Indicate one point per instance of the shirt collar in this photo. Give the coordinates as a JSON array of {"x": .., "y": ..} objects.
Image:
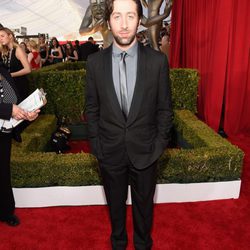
[{"x": 131, "y": 51}]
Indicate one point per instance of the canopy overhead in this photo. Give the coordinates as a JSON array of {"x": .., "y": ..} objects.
[{"x": 59, "y": 18}]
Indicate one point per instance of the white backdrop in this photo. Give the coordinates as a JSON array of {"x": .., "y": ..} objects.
[{"x": 59, "y": 18}]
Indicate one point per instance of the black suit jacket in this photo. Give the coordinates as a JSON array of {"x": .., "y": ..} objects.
[{"x": 146, "y": 132}]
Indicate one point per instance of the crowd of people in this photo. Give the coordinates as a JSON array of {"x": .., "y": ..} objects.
[
  {"x": 52, "y": 51},
  {"x": 32, "y": 54}
]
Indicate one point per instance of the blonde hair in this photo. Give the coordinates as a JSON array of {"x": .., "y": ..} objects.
[
  {"x": 4, "y": 49},
  {"x": 33, "y": 44}
]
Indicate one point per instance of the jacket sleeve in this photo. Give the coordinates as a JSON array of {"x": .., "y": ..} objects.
[
  {"x": 5, "y": 111},
  {"x": 92, "y": 107},
  {"x": 164, "y": 106}
]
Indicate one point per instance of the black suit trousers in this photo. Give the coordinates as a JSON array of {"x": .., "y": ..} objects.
[
  {"x": 142, "y": 182},
  {"x": 7, "y": 203}
]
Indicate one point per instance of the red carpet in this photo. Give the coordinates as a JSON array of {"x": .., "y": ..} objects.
[
  {"x": 211, "y": 225},
  {"x": 79, "y": 146}
]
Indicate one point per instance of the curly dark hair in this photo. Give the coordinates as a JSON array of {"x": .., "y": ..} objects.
[{"x": 109, "y": 7}]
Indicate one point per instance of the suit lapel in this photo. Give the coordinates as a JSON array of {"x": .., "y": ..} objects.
[
  {"x": 139, "y": 85},
  {"x": 110, "y": 85}
]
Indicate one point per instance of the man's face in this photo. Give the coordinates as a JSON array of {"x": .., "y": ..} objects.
[{"x": 124, "y": 22}]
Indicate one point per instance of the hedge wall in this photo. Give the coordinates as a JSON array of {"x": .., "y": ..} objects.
[
  {"x": 211, "y": 158},
  {"x": 65, "y": 88},
  {"x": 64, "y": 66},
  {"x": 184, "y": 88},
  {"x": 203, "y": 156},
  {"x": 32, "y": 166},
  {"x": 64, "y": 84}
]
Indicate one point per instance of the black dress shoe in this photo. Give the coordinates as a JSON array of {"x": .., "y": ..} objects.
[{"x": 11, "y": 220}]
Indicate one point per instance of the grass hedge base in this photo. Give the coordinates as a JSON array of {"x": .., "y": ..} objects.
[{"x": 210, "y": 159}]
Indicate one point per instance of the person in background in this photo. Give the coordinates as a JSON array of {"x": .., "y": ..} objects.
[
  {"x": 154, "y": 19},
  {"x": 77, "y": 48},
  {"x": 130, "y": 117},
  {"x": 15, "y": 60},
  {"x": 34, "y": 57},
  {"x": 44, "y": 50},
  {"x": 164, "y": 42},
  {"x": 71, "y": 53},
  {"x": 24, "y": 47},
  {"x": 63, "y": 47},
  {"x": 55, "y": 52},
  {"x": 8, "y": 110},
  {"x": 142, "y": 38},
  {"x": 88, "y": 48}
]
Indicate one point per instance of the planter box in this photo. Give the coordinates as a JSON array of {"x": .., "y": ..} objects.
[{"x": 209, "y": 159}]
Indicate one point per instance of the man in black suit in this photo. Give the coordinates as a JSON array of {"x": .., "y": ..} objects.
[
  {"x": 129, "y": 113},
  {"x": 88, "y": 48}
]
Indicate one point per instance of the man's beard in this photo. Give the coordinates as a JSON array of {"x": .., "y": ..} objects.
[{"x": 124, "y": 41}]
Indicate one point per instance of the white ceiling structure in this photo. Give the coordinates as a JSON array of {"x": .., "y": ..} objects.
[{"x": 59, "y": 18}]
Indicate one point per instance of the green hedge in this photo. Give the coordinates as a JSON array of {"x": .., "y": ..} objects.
[
  {"x": 184, "y": 88},
  {"x": 64, "y": 84},
  {"x": 33, "y": 167},
  {"x": 65, "y": 91},
  {"x": 211, "y": 158},
  {"x": 64, "y": 66},
  {"x": 204, "y": 157}
]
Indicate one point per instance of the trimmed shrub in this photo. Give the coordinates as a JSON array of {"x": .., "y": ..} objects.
[
  {"x": 211, "y": 158},
  {"x": 64, "y": 84},
  {"x": 64, "y": 66},
  {"x": 203, "y": 157},
  {"x": 184, "y": 88},
  {"x": 65, "y": 92}
]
